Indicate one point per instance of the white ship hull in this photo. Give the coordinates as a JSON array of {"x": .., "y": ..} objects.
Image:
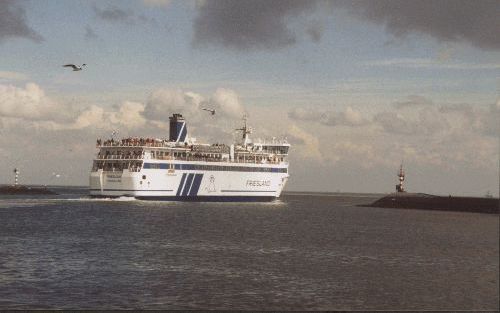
[{"x": 196, "y": 181}]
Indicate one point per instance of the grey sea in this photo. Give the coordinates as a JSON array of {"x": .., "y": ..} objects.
[{"x": 302, "y": 252}]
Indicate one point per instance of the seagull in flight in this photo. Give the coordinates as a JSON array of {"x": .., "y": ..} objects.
[
  {"x": 212, "y": 111},
  {"x": 75, "y": 67}
]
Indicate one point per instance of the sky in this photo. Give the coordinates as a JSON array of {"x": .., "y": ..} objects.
[{"x": 357, "y": 87}]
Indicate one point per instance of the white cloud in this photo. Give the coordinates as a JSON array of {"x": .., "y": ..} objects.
[
  {"x": 227, "y": 102},
  {"x": 350, "y": 117},
  {"x": 29, "y": 103},
  {"x": 129, "y": 115},
  {"x": 90, "y": 117},
  {"x": 163, "y": 102},
  {"x": 308, "y": 145}
]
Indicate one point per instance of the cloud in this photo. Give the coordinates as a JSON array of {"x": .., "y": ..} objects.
[
  {"x": 413, "y": 101},
  {"x": 227, "y": 103},
  {"x": 32, "y": 104},
  {"x": 427, "y": 121},
  {"x": 304, "y": 114},
  {"x": 13, "y": 22},
  {"x": 164, "y": 101},
  {"x": 129, "y": 115},
  {"x": 114, "y": 14},
  {"x": 126, "y": 116},
  {"x": 482, "y": 121},
  {"x": 315, "y": 31},
  {"x": 248, "y": 24},
  {"x": 474, "y": 22},
  {"x": 29, "y": 103},
  {"x": 90, "y": 34},
  {"x": 349, "y": 117},
  {"x": 261, "y": 24},
  {"x": 310, "y": 144},
  {"x": 89, "y": 117},
  {"x": 395, "y": 123}
]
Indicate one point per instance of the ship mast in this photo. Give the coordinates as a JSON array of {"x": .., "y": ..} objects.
[
  {"x": 401, "y": 176},
  {"x": 245, "y": 131}
]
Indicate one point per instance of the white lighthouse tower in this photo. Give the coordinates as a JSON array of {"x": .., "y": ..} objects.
[
  {"x": 16, "y": 176},
  {"x": 401, "y": 176}
]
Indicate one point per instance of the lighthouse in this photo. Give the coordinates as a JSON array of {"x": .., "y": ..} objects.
[
  {"x": 16, "y": 176},
  {"x": 401, "y": 176}
]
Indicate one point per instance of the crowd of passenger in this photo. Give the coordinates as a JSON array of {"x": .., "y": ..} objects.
[
  {"x": 131, "y": 154},
  {"x": 131, "y": 141}
]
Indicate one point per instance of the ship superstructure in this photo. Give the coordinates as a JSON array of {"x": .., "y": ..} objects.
[{"x": 179, "y": 168}]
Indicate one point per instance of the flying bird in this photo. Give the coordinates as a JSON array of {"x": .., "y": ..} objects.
[
  {"x": 75, "y": 67},
  {"x": 212, "y": 111}
]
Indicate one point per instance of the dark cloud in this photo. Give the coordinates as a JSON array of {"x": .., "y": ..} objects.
[
  {"x": 115, "y": 14},
  {"x": 13, "y": 22},
  {"x": 264, "y": 24},
  {"x": 413, "y": 101},
  {"x": 474, "y": 22},
  {"x": 315, "y": 31},
  {"x": 248, "y": 24},
  {"x": 90, "y": 33}
]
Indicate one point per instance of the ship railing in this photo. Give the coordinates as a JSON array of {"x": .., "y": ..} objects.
[
  {"x": 120, "y": 157},
  {"x": 115, "y": 170},
  {"x": 216, "y": 160},
  {"x": 131, "y": 144}
]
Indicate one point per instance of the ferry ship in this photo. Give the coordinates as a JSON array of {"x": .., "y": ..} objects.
[{"x": 181, "y": 169}]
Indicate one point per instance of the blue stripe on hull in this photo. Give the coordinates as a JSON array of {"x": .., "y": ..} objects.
[
  {"x": 180, "y": 185},
  {"x": 196, "y": 184},
  {"x": 210, "y": 198},
  {"x": 187, "y": 185}
]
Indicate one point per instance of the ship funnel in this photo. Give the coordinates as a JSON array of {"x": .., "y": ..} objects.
[{"x": 178, "y": 128}]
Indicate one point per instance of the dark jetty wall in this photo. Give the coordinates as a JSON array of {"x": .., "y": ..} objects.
[
  {"x": 25, "y": 190},
  {"x": 431, "y": 202}
]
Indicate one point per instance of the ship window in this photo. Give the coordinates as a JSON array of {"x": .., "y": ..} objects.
[{"x": 143, "y": 177}]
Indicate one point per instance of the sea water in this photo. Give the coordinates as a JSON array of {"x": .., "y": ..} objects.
[{"x": 302, "y": 252}]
